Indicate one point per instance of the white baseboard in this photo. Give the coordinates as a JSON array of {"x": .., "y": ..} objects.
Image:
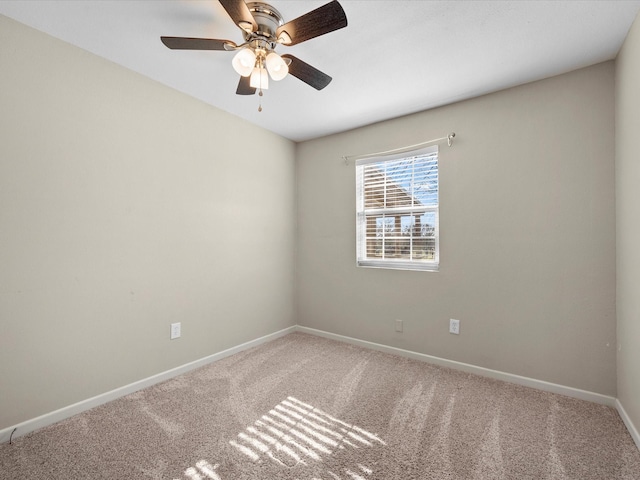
[
  {"x": 628, "y": 423},
  {"x": 23, "y": 428},
  {"x": 465, "y": 367}
]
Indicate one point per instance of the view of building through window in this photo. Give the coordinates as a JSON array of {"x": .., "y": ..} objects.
[{"x": 397, "y": 216}]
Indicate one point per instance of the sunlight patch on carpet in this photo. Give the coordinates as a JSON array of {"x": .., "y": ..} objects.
[
  {"x": 294, "y": 433},
  {"x": 202, "y": 471}
]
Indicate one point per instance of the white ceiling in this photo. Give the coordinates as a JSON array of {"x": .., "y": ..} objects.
[{"x": 394, "y": 58}]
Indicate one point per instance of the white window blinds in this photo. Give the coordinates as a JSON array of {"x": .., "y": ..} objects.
[{"x": 397, "y": 210}]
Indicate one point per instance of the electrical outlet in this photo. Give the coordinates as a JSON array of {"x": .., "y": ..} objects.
[
  {"x": 175, "y": 330},
  {"x": 454, "y": 326},
  {"x": 398, "y": 325}
]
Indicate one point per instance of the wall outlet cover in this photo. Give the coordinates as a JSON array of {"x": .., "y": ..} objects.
[
  {"x": 175, "y": 330},
  {"x": 454, "y": 326}
]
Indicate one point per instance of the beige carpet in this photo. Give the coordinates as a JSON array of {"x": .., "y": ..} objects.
[{"x": 308, "y": 408}]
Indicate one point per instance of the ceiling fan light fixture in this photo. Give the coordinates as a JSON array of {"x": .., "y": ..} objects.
[
  {"x": 277, "y": 67},
  {"x": 259, "y": 79},
  {"x": 244, "y": 61}
]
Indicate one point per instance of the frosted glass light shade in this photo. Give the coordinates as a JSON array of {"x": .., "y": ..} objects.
[
  {"x": 244, "y": 61},
  {"x": 276, "y": 66},
  {"x": 259, "y": 79}
]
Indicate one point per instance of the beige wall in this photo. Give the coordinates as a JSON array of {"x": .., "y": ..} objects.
[
  {"x": 122, "y": 210},
  {"x": 527, "y": 224},
  {"x": 628, "y": 222},
  {"x": 125, "y": 206}
]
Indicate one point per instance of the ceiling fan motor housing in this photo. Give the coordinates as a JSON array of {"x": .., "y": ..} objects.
[{"x": 268, "y": 20}]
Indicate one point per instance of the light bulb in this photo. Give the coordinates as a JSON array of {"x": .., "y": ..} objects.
[
  {"x": 244, "y": 61},
  {"x": 259, "y": 79},
  {"x": 276, "y": 66}
]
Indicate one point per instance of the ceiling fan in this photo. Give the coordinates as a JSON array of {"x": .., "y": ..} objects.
[{"x": 263, "y": 29}]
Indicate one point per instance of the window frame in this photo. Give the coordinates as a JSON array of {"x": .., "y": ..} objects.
[{"x": 362, "y": 258}]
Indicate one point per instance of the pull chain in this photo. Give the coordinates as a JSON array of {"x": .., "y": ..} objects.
[{"x": 261, "y": 71}]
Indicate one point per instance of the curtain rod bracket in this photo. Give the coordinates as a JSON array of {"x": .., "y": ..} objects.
[{"x": 450, "y": 138}]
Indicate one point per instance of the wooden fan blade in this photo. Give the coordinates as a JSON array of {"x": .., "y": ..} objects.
[
  {"x": 185, "y": 43},
  {"x": 317, "y": 22},
  {"x": 244, "y": 88},
  {"x": 240, "y": 14},
  {"x": 308, "y": 74}
]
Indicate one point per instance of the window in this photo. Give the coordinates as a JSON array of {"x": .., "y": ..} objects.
[{"x": 397, "y": 210}]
